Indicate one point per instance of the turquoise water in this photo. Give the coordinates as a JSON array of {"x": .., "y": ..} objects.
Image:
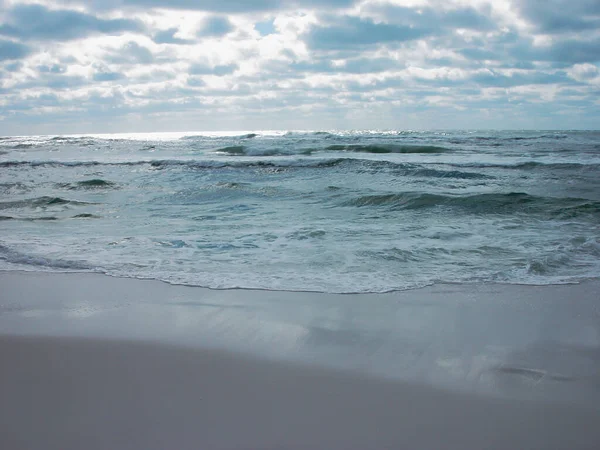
[{"x": 358, "y": 211}]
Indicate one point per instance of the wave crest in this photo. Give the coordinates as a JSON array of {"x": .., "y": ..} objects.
[
  {"x": 40, "y": 202},
  {"x": 514, "y": 202}
]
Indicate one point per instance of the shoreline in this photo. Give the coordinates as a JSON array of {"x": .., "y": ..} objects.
[
  {"x": 301, "y": 291},
  {"x": 582, "y": 281}
]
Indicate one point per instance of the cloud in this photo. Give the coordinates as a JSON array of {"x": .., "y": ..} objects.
[
  {"x": 215, "y": 26},
  {"x": 514, "y": 49},
  {"x": 584, "y": 72},
  {"x": 433, "y": 18},
  {"x": 491, "y": 78},
  {"x": 108, "y": 76},
  {"x": 348, "y": 32},
  {"x": 222, "y": 6},
  {"x": 558, "y": 16},
  {"x": 132, "y": 53},
  {"x": 562, "y": 52},
  {"x": 196, "y": 82},
  {"x": 14, "y": 66},
  {"x": 168, "y": 37},
  {"x": 205, "y": 69},
  {"x": 54, "y": 68},
  {"x": 479, "y": 53},
  {"x": 64, "y": 81},
  {"x": 36, "y": 22},
  {"x": 300, "y": 63},
  {"x": 13, "y": 50},
  {"x": 575, "y": 51},
  {"x": 361, "y": 65},
  {"x": 48, "y": 80}
]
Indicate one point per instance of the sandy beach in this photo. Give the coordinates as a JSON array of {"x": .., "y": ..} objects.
[
  {"x": 95, "y": 394},
  {"x": 94, "y": 362}
]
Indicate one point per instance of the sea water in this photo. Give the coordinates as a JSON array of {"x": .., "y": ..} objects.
[{"x": 335, "y": 211}]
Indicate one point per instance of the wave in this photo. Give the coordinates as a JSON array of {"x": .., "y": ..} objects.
[
  {"x": 457, "y": 174},
  {"x": 201, "y": 137},
  {"x": 510, "y": 203},
  {"x": 11, "y": 188},
  {"x": 86, "y": 216},
  {"x": 519, "y": 138},
  {"x": 73, "y": 140},
  {"x": 9, "y": 164},
  {"x": 232, "y": 150},
  {"x": 387, "y": 148},
  {"x": 40, "y": 202},
  {"x": 534, "y": 138},
  {"x": 530, "y": 165},
  {"x": 406, "y": 169},
  {"x": 241, "y": 150},
  {"x": 12, "y": 256},
  {"x": 577, "y": 251},
  {"x": 193, "y": 164},
  {"x": 36, "y": 219},
  {"x": 95, "y": 183},
  {"x": 497, "y": 141},
  {"x": 30, "y": 219}
]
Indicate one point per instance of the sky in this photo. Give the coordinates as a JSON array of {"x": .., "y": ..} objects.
[{"x": 107, "y": 66}]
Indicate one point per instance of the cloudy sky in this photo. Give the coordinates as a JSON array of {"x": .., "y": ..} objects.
[{"x": 151, "y": 65}]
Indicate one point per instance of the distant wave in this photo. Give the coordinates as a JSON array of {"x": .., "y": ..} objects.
[
  {"x": 435, "y": 173},
  {"x": 388, "y": 148},
  {"x": 40, "y": 202},
  {"x": 45, "y": 218},
  {"x": 232, "y": 150},
  {"x": 417, "y": 169},
  {"x": 203, "y": 137},
  {"x": 514, "y": 202},
  {"x": 193, "y": 164},
  {"x": 530, "y": 165},
  {"x": 84, "y": 141},
  {"x": 29, "y": 219},
  {"x": 238, "y": 150},
  {"x": 73, "y": 140},
  {"x": 462, "y": 170},
  {"x": 92, "y": 184},
  {"x": 9, "y": 188}
]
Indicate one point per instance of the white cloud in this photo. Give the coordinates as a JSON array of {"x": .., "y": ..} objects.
[
  {"x": 313, "y": 65},
  {"x": 585, "y": 73}
]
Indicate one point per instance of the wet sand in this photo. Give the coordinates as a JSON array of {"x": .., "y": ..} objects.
[
  {"x": 68, "y": 393},
  {"x": 94, "y": 362}
]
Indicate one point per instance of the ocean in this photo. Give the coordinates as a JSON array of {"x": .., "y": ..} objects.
[{"x": 336, "y": 211}]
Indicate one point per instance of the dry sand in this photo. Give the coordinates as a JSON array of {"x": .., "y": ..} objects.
[{"x": 66, "y": 393}]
